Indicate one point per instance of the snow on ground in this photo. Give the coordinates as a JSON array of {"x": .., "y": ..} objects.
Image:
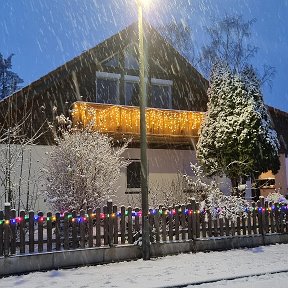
[{"x": 172, "y": 270}]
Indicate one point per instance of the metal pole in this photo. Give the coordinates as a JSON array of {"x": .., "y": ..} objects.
[{"x": 143, "y": 140}]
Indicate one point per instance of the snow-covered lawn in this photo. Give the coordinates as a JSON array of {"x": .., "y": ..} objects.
[{"x": 172, "y": 270}]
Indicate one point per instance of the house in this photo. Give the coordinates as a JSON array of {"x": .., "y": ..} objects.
[{"x": 103, "y": 82}]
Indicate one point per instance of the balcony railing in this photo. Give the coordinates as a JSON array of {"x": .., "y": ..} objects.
[{"x": 170, "y": 126}]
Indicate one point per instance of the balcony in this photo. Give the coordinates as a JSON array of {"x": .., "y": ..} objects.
[{"x": 163, "y": 126}]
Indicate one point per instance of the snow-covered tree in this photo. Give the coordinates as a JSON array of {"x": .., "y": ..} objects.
[
  {"x": 83, "y": 170},
  {"x": 237, "y": 138},
  {"x": 9, "y": 80}
]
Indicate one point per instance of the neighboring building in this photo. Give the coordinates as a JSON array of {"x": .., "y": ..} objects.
[{"x": 102, "y": 84}]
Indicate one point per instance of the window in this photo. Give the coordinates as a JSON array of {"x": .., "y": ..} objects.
[
  {"x": 161, "y": 94},
  {"x": 107, "y": 88},
  {"x": 131, "y": 90},
  {"x": 131, "y": 58},
  {"x": 113, "y": 61},
  {"x": 134, "y": 177}
]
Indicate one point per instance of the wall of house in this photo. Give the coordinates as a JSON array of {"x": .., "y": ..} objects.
[{"x": 164, "y": 167}]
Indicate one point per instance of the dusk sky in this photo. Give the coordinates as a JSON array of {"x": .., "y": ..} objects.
[{"x": 44, "y": 34}]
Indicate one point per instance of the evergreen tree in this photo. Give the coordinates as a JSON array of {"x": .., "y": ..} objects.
[
  {"x": 9, "y": 80},
  {"x": 237, "y": 138}
]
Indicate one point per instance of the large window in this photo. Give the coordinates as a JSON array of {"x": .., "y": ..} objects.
[
  {"x": 131, "y": 58},
  {"x": 161, "y": 94},
  {"x": 134, "y": 177},
  {"x": 107, "y": 88},
  {"x": 131, "y": 90}
]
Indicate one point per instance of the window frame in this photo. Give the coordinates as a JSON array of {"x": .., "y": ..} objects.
[
  {"x": 163, "y": 83},
  {"x": 135, "y": 190},
  {"x": 109, "y": 76}
]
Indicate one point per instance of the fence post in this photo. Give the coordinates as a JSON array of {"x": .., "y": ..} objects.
[
  {"x": 22, "y": 226},
  {"x": 6, "y": 229}
]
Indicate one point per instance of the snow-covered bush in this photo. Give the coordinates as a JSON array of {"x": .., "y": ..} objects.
[
  {"x": 207, "y": 192},
  {"x": 82, "y": 170},
  {"x": 276, "y": 197},
  {"x": 199, "y": 186},
  {"x": 167, "y": 193},
  {"x": 230, "y": 207}
]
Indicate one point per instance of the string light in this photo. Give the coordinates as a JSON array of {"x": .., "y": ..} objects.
[
  {"x": 126, "y": 119},
  {"x": 152, "y": 212}
]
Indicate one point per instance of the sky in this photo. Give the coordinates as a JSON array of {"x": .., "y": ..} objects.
[
  {"x": 204, "y": 270},
  {"x": 44, "y": 34}
]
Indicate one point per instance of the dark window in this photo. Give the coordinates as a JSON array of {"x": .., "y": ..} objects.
[
  {"x": 131, "y": 58},
  {"x": 107, "y": 91},
  {"x": 161, "y": 96},
  {"x": 112, "y": 62},
  {"x": 134, "y": 175},
  {"x": 132, "y": 93}
]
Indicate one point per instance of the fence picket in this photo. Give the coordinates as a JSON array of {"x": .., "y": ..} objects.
[
  {"x": 22, "y": 225},
  {"x": 123, "y": 225},
  {"x": 164, "y": 224},
  {"x": 1, "y": 233},
  {"x": 244, "y": 229},
  {"x": 31, "y": 231},
  {"x": 90, "y": 227},
  {"x": 193, "y": 207},
  {"x": 227, "y": 227},
  {"x": 189, "y": 216},
  {"x": 98, "y": 227},
  {"x": 115, "y": 224},
  {"x": 75, "y": 241},
  {"x": 183, "y": 223},
  {"x": 221, "y": 225},
  {"x": 57, "y": 231},
  {"x": 130, "y": 226},
  {"x": 254, "y": 217},
  {"x": 215, "y": 224},
  {"x": 249, "y": 225},
  {"x": 177, "y": 222},
  {"x": 170, "y": 220},
  {"x": 238, "y": 226},
  {"x": 209, "y": 224},
  {"x": 271, "y": 218},
  {"x": 40, "y": 231},
  {"x": 49, "y": 232},
  {"x": 204, "y": 224},
  {"x": 197, "y": 213},
  {"x": 157, "y": 225},
  {"x": 110, "y": 223},
  {"x": 66, "y": 231},
  {"x": 13, "y": 227},
  {"x": 105, "y": 224},
  {"x": 82, "y": 228}
]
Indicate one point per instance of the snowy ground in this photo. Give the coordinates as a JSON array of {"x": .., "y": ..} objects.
[{"x": 172, "y": 270}]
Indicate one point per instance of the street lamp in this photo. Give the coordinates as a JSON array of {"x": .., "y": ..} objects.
[{"x": 143, "y": 140}]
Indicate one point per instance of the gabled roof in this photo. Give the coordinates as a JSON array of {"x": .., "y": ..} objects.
[{"x": 102, "y": 52}]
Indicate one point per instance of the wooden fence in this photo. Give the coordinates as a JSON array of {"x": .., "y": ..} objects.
[{"x": 31, "y": 233}]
